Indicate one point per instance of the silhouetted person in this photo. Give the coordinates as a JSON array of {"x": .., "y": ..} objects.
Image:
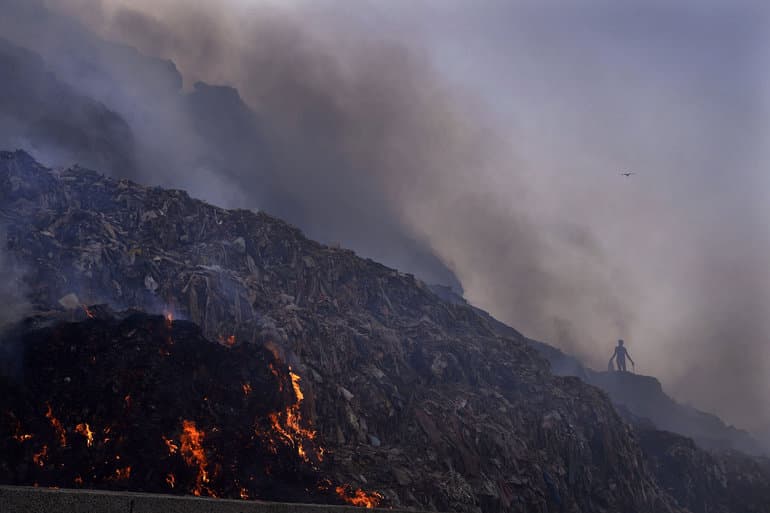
[{"x": 620, "y": 356}]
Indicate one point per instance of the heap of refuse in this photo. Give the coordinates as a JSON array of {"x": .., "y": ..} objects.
[
  {"x": 140, "y": 402},
  {"x": 406, "y": 400}
]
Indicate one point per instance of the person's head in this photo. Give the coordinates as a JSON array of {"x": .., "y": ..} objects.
[{"x": 620, "y": 342}]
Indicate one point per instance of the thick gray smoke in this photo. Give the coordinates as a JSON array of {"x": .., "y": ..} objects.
[{"x": 476, "y": 143}]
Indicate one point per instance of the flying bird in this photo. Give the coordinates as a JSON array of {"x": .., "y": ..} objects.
[{"x": 627, "y": 173}]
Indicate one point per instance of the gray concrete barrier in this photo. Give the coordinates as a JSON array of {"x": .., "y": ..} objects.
[{"x": 20, "y": 499}]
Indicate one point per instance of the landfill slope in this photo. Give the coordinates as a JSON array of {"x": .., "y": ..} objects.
[
  {"x": 416, "y": 398},
  {"x": 725, "y": 481},
  {"x": 640, "y": 398}
]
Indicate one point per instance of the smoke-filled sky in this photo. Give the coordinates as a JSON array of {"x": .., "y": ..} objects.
[{"x": 473, "y": 143}]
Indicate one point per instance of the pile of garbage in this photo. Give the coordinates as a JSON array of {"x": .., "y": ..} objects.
[
  {"x": 132, "y": 401},
  {"x": 416, "y": 401},
  {"x": 726, "y": 481},
  {"x": 138, "y": 402}
]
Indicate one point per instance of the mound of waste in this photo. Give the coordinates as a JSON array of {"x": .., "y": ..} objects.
[
  {"x": 385, "y": 392},
  {"x": 703, "y": 482},
  {"x": 640, "y": 396},
  {"x": 140, "y": 402}
]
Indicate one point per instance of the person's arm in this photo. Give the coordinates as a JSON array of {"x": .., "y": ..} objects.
[{"x": 629, "y": 357}]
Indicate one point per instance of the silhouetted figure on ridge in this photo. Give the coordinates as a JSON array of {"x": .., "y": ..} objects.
[{"x": 620, "y": 355}]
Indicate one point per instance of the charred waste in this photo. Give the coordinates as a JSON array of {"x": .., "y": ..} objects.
[{"x": 138, "y": 402}]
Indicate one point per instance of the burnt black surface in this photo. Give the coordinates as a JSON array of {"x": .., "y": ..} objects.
[{"x": 135, "y": 379}]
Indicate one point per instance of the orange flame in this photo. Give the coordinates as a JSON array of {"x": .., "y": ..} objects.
[
  {"x": 56, "y": 425},
  {"x": 288, "y": 423},
  {"x": 172, "y": 447},
  {"x": 171, "y": 480},
  {"x": 194, "y": 455},
  {"x": 295, "y": 379},
  {"x": 246, "y": 388},
  {"x": 169, "y": 319},
  {"x": 88, "y": 312},
  {"x": 85, "y": 430},
  {"x": 359, "y": 497},
  {"x": 39, "y": 457},
  {"x": 123, "y": 473},
  {"x": 244, "y": 493},
  {"x": 79, "y": 481}
]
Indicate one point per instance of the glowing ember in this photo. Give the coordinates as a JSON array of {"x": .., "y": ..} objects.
[
  {"x": 244, "y": 493},
  {"x": 194, "y": 455},
  {"x": 172, "y": 447},
  {"x": 85, "y": 430},
  {"x": 229, "y": 341},
  {"x": 19, "y": 436},
  {"x": 39, "y": 457},
  {"x": 79, "y": 481},
  {"x": 246, "y": 388},
  {"x": 168, "y": 318},
  {"x": 88, "y": 312},
  {"x": 127, "y": 401},
  {"x": 56, "y": 425},
  {"x": 277, "y": 376},
  {"x": 123, "y": 473},
  {"x": 359, "y": 497},
  {"x": 171, "y": 480}
]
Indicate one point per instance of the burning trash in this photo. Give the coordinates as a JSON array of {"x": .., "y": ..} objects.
[
  {"x": 289, "y": 423},
  {"x": 203, "y": 429},
  {"x": 192, "y": 451},
  {"x": 85, "y": 430},
  {"x": 56, "y": 425},
  {"x": 359, "y": 497}
]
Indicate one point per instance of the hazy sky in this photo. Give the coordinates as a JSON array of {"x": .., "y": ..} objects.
[
  {"x": 676, "y": 92},
  {"x": 493, "y": 133}
]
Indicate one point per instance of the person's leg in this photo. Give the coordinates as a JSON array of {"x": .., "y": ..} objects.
[{"x": 622, "y": 365}]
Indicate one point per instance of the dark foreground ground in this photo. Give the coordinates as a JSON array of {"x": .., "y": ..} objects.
[{"x": 43, "y": 500}]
